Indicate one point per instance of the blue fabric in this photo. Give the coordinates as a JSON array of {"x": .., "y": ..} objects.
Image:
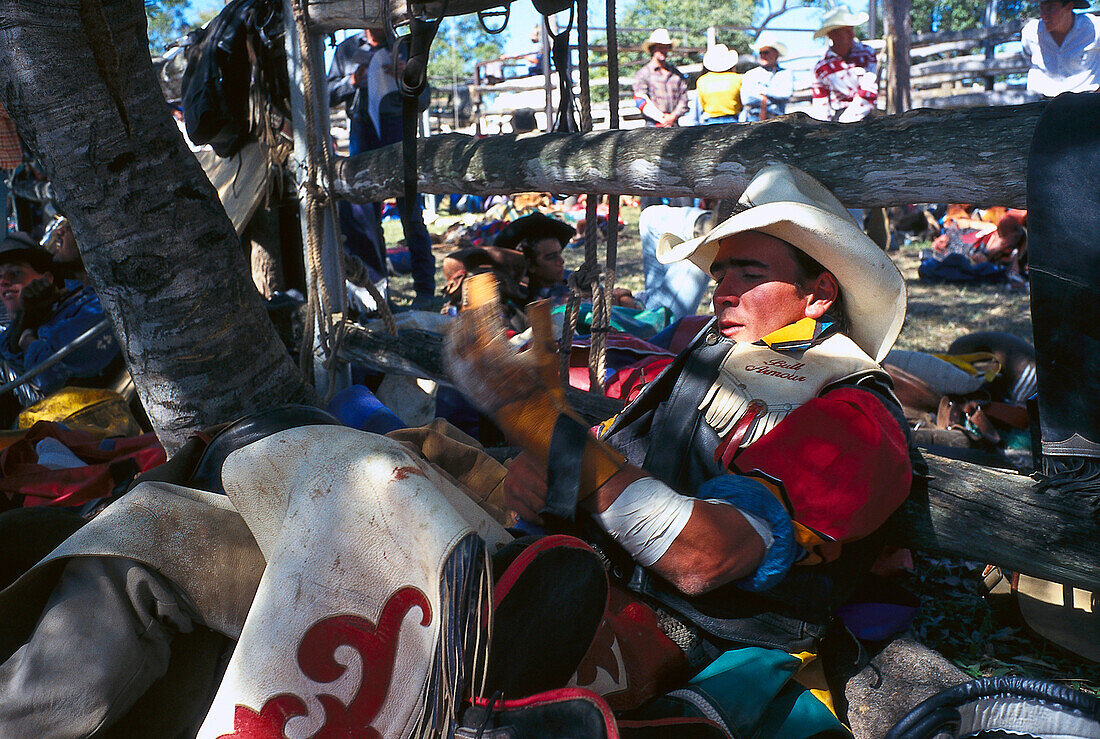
[
  {"x": 76, "y": 314},
  {"x": 957, "y": 268},
  {"x": 751, "y": 496},
  {"x": 359, "y": 408},
  {"x": 720, "y": 119},
  {"x": 679, "y": 286}
]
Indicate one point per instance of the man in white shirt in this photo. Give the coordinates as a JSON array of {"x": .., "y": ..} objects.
[
  {"x": 1063, "y": 49},
  {"x": 766, "y": 89}
]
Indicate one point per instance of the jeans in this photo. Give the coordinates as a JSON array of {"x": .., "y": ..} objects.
[{"x": 679, "y": 286}]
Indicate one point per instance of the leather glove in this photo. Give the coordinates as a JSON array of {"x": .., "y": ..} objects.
[{"x": 520, "y": 391}]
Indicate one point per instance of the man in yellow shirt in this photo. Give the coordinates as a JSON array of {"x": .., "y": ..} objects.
[{"x": 720, "y": 88}]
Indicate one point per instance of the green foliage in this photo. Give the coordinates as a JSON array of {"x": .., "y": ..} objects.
[
  {"x": 459, "y": 45},
  {"x": 167, "y": 22},
  {"x": 696, "y": 15},
  {"x": 959, "y": 15}
]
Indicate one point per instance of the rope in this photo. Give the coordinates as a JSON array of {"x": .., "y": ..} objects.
[
  {"x": 319, "y": 311},
  {"x": 355, "y": 272},
  {"x": 613, "y": 198},
  {"x": 601, "y": 310}
]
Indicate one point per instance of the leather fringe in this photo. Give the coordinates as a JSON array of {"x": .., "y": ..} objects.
[
  {"x": 461, "y": 657},
  {"x": 1077, "y": 475}
]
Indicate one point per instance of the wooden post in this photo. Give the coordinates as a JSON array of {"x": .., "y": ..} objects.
[
  {"x": 897, "y": 30},
  {"x": 990, "y": 21}
]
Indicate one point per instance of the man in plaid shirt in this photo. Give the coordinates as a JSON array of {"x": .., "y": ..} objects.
[
  {"x": 660, "y": 90},
  {"x": 846, "y": 79}
]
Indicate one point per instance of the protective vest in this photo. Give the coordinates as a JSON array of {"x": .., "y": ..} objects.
[{"x": 666, "y": 432}]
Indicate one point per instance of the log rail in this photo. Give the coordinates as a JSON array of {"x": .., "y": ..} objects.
[
  {"x": 958, "y": 509},
  {"x": 976, "y": 155}
]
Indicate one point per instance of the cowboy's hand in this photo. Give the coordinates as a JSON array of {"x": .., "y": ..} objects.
[
  {"x": 525, "y": 487},
  {"x": 35, "y": 301}
]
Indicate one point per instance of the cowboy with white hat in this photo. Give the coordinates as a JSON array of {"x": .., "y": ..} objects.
[
  {"x": 846, "y": 79},
  {"x": 1059, "y": 46},
  {"x": 660, "y": 89},
  {"x": 766, "y": 89},
  {"x": 720, "y": 87},
  {"x": 773, "y": 437}
]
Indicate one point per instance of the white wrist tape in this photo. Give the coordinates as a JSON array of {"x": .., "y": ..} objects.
[{"x": 646, "y": 518}]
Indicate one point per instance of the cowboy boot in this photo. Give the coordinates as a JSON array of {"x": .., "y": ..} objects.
[{"x": 1063, "y": 200}]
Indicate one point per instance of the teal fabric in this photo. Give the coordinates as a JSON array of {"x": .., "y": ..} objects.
[
  {"x": 641, "y": 323},
  {"x": 753, "y": 690}
]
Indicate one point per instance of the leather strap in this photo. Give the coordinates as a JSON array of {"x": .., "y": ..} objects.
[{"x": 563, "y": 474}]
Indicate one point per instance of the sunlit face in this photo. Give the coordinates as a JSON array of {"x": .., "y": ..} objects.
[
  {"x": 842, "y": 39},
  {"x": 1056, "y": 15},
  {"x": 760, "y": 287},
  {"x": 768, "y": 56},
  {"x": 14, "y": 276},
  {"x": 546, "y": 266}
]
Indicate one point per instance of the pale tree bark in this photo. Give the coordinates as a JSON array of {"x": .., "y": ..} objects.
[
  {"x": 168, "y": 267},
  {"x": 923, "y": 156}
]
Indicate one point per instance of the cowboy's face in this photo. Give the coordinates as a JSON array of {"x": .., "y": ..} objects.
[
  {"x": 546, "y": 267},
  {"x": 660, "y": 53},
  {"x": 1056, "y": 15},
  {"x": 14, "y": 276},
  {"x": 761, "y": 287},
  {"x": 842, "y": 38},
  {"x": 768, "y": 56}
]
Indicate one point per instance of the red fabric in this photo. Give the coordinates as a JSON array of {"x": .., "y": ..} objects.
[
  {"x": 11, "y": 152},
  {"x": 629, "y": 381},
  {"x": 21, "y": 475},
  {"x": 633, "y": 652},
  {"x": 687, "y": 328},
  {"x": 843, "y": 462}
]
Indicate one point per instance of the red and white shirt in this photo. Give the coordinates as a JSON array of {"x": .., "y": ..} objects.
[{"x": 845, "y": 88}]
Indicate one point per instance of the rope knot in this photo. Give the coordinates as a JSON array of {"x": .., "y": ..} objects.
[{"x": 584, "y": 278}]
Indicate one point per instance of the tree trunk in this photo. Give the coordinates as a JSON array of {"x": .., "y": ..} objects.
[
  {"x": 168, "y": 267},
  {"x": 922, "y": 156},
  {"x": 897, "y": 30}
]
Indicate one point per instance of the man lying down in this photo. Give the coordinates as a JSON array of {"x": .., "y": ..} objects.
[{"x": 714, "y": 527}]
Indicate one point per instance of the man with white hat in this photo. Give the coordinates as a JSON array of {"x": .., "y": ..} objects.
[
  {"x": 766, "y": 89},
  {"x": 660, "y": 90},
  {"x": 846, "y": 79},
  {"x": 741, "y": 490},
  {"x": 720, "y": 87},
  {"x": 1061, "y": 47}
]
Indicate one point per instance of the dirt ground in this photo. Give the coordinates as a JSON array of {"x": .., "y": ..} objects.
[{"x": 937, "y": 315}]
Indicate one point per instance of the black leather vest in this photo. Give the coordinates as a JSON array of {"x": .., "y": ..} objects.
[{"x": 663, "y": 432}]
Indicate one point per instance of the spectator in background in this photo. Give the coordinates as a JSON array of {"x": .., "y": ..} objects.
[
  {"x": 541, "y": 239},
  {"x": 720, "y": 87},
  {"x": 660, "y": 90},
  {"x": 1063, "y": 49},
  {"x": 362, "y": 77},
  {"x": 766, "y": 89},
  {"x": 846, "y": 79}
]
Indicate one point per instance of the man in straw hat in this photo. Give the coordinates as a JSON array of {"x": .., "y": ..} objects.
[
  {"x": 766, "y": 89},
  {"x": 846, "y": 79},
  {"x": 720, "y": 87},
  {"x": 660, "y": 90},
  {"x": 740, "y": 492},
  {"x": 1061, "y": 47}
]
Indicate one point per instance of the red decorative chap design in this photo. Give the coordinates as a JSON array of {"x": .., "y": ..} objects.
[{"x": 377, "y": 645}]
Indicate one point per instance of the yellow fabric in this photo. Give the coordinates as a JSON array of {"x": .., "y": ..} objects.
[
  {"x": 812, "y": 677},
  {"x": 720, "y": 93},
  {"x": 102, "y": 413},
  {"x": 802, "y": 330},
  {"x": 966, "y": 363}
]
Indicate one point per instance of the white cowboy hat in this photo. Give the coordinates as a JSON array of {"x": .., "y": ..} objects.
[
  {"x": 720, "y": 58},
  {"x": 659, "y": 36},
  {"x": 787, "y": 203},
  {"x": 779, "y": 47},
  {"x": 840, "y": 17}
]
